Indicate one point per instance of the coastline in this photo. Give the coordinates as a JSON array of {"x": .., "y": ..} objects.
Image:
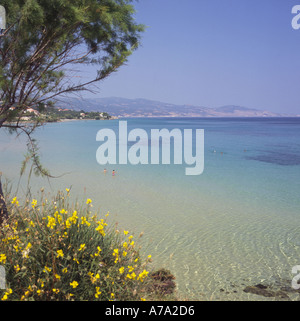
[{"x": 70, "y": 120}]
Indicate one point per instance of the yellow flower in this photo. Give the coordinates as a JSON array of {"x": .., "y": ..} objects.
[
  {"x": 15, "y": 201},
  {"x": 55, "y": 291},
  {"x": 100, "y": 229},
  {"x": 65, "y": 270},
  {"x": 74, "y": 284},
  {"x": 85, "y": 221},
  {"x": 142, "y": 299},
  {"x": 74, "y": 217},
  {"x": 51, "y": 222},
  {"x": 143, "y": 275},
  {"x": 126, "y": 232},
  {"x": 149, "y": 256},
  {"x": 130, "y": 268},
  {"x": 29, "y": 246},
  {"x": 121, "y": 270},
  {"x": 6, "y": 294},
  {"x": 99, "y": 250},
  {"x": 2, "y": 258},
  {"x": 97, "y": 292},
  {"x": 17, "y": 268},
  {"x": 68, "y": 190},
  {"x": 94, "y": 278},
  {"x": 125, "y": 245},
  {"x": 88, "y": 201},
  {"x": 58, "y": 277},
  {"x": 116, "y": 254},
  {"x": 34, "y": 203},
  {"x": 60, "y": 253},
  {"x": 131, "y": 276},
  {"x": 82, "y": 247},
  {"x": 124, "y": 253},
  {"x": 68, "y": 224},
  {"x": 112, "y": 295},
  {"x": 91, "y": 275},
  {"x": 46, "y": 269}
]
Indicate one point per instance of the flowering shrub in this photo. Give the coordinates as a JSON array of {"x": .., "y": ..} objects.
[{"x": 54, "y": 251}]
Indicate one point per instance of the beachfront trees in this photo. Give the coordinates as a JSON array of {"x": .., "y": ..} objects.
[{"x": 46, "y": 43}]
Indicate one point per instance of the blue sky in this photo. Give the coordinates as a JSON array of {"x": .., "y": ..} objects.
[{"x": 213, "y": 53}]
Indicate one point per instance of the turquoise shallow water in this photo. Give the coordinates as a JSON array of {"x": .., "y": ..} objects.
[{"x": 235, "y": 225}]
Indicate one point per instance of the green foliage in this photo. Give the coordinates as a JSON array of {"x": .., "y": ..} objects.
[
  {"x": 33, "y": 156},
  {"x": 44, "y": 39},
  {"x": 52, "y": 250}
]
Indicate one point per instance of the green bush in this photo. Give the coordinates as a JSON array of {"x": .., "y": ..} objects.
[{"x": 52, "y": 250}]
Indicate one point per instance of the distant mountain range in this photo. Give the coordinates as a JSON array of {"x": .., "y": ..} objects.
[{"x": 123, "y": 107}]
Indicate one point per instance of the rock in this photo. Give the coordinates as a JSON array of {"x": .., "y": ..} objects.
[
  {"x": 163, "y": 282},
  {"x": 265, "y": 291},
  {"x": 261, "y": 286},
  {"x": 258, "y": 289}
]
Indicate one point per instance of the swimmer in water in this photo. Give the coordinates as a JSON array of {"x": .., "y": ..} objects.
[
  {"x": 104, "y": 171},
  {"x": 113, "y": 172}
]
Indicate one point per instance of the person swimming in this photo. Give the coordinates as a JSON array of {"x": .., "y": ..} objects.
[
  {"x": 104, "y": 171},
  {"x": 113, "y": 172}
]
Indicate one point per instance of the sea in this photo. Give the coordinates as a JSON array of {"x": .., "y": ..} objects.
[{"x": 236, "y": 225}]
